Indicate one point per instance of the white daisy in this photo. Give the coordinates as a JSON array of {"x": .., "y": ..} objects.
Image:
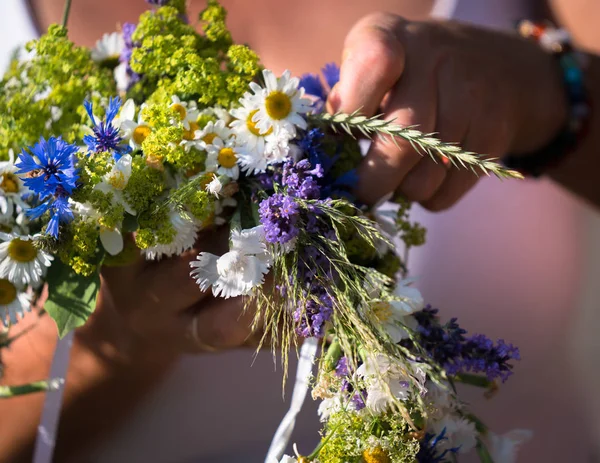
[
  {"x": 13, "y": 303},
  {"x": 21, "y": 262},
  {"x": 109, "y": 47},
  {"x": 280, "y": 104},
  {"x": 12, "y": 188},
  {"x": 134, "y": 130},
  {"x": 222, "y": 158},
  {"x": 244, "y": 128},
  {"x": 111, "y": 238},
  {"x": 388, "y": 381},
  {"x": 395, "y": 314},
  {"x": 213, "y": 130},
  {"x": 460, "y": 433},
  {"x": 275, "y": 149},
  {"x": 186, "y": 232},
  {"x": 116, "y": 180},
  {"x": 238, "y": 271},
  {"x": 187, "y": 113}
]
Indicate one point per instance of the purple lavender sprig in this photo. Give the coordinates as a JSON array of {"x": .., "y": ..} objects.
[{"x": 448, "y": 346}]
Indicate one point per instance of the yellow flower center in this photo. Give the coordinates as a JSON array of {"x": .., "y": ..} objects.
[
  {"x": 179, "y": 109},
  {"x": 21, "y": 250},
  {"x": 252, "y": 126},
  {"x": 376, "y": 455},
  {"x": 189, "y": 134},
  {"x": 382, "y": 310},
  {"x": 209, "y": 138},
  {"x": 8, "y": 292},
  {"x": 140, "y": 133},
  {"x": 227, "y": 158},
  {"x": 278, "y": 105},
  {"x": 10, "y": 183},
  {"x": 117, "y": 180}
]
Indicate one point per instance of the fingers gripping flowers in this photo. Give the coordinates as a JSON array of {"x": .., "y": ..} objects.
[{"x": 204, "y": 139}]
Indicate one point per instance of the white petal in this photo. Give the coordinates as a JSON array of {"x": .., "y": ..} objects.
[
  {"x": 205, "y": 270},
  {"x": 503, "y": 449},
  {"x": 112, "y": 241}
]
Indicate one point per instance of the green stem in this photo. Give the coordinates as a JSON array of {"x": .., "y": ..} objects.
[
  {"x": 315, "y": 453},
  {"x": 38, "y": 386},
  {"x": 66, "y": 12}
]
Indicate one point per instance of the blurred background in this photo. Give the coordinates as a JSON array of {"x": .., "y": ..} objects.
[{"x": 514, "y": 260}]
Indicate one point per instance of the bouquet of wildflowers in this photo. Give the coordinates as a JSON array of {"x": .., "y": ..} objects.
[{"x": 162, "y": 131}]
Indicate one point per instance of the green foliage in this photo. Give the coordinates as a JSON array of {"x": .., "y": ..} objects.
[
  {"x": 57, "y": 75},
  {"x": 79, "y": 246},
  {"x": 144, "y": 186},
  {"x": 71, "y": 297},
  {"x": 175, "y": 60},
  {"x": 353, "y": 437}
]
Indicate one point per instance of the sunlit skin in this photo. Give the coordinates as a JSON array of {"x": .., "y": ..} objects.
[{"x": 114, "y": 360}]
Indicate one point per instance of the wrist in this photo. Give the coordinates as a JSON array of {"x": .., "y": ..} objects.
[{"x": 546, "y": 111}]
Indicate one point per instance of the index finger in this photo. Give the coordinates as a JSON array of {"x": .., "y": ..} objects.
[{"x": 372, "y": 63}]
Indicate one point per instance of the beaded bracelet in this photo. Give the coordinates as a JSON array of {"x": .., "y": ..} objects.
[{"x": 572, "y": 63}]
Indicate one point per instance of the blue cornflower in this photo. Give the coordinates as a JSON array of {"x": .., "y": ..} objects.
[
  {"x": 430, "y": 450},
  {"x": 331, "y": 72},
  {"x": 312, "y": 86},
  {"x": 340, "y": 186},
  {"x": 50, "y": 172},
  {"x": 107, "y": 137}
]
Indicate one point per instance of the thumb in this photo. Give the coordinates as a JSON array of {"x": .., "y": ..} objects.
[{"x": 372, "y": 62}]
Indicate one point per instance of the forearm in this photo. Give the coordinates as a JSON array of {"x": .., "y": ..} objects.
[{"x": 102, "y": 388}]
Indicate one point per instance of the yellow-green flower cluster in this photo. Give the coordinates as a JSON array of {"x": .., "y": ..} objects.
[
  {"x": 350, "y": 436},
  {"x": 43, "y": 95},
  {"x": 176, "y": 60},
  {"x": 412, "y": 233},
  {"x": 163, "y": 143},
  {"x": 79, "y": 246}
]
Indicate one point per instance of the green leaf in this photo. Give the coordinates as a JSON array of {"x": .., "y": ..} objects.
[
  {"x": 130, "y": 223},
  {"x": 71, "y": 297}
]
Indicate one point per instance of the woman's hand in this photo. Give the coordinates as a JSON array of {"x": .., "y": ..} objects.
[
  {"x": 491, "y": 92},
  {"x": 159, "y": 303}
]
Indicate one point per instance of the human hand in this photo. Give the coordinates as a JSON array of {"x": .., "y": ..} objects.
[
  {"x": 157, "y": 303},
  {"x": 491, "y": 92}
]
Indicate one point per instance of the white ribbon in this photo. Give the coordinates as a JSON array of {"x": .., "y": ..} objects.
[
  {"x": 46, "y": 434},
  {"x": 283, "y": 434}
]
